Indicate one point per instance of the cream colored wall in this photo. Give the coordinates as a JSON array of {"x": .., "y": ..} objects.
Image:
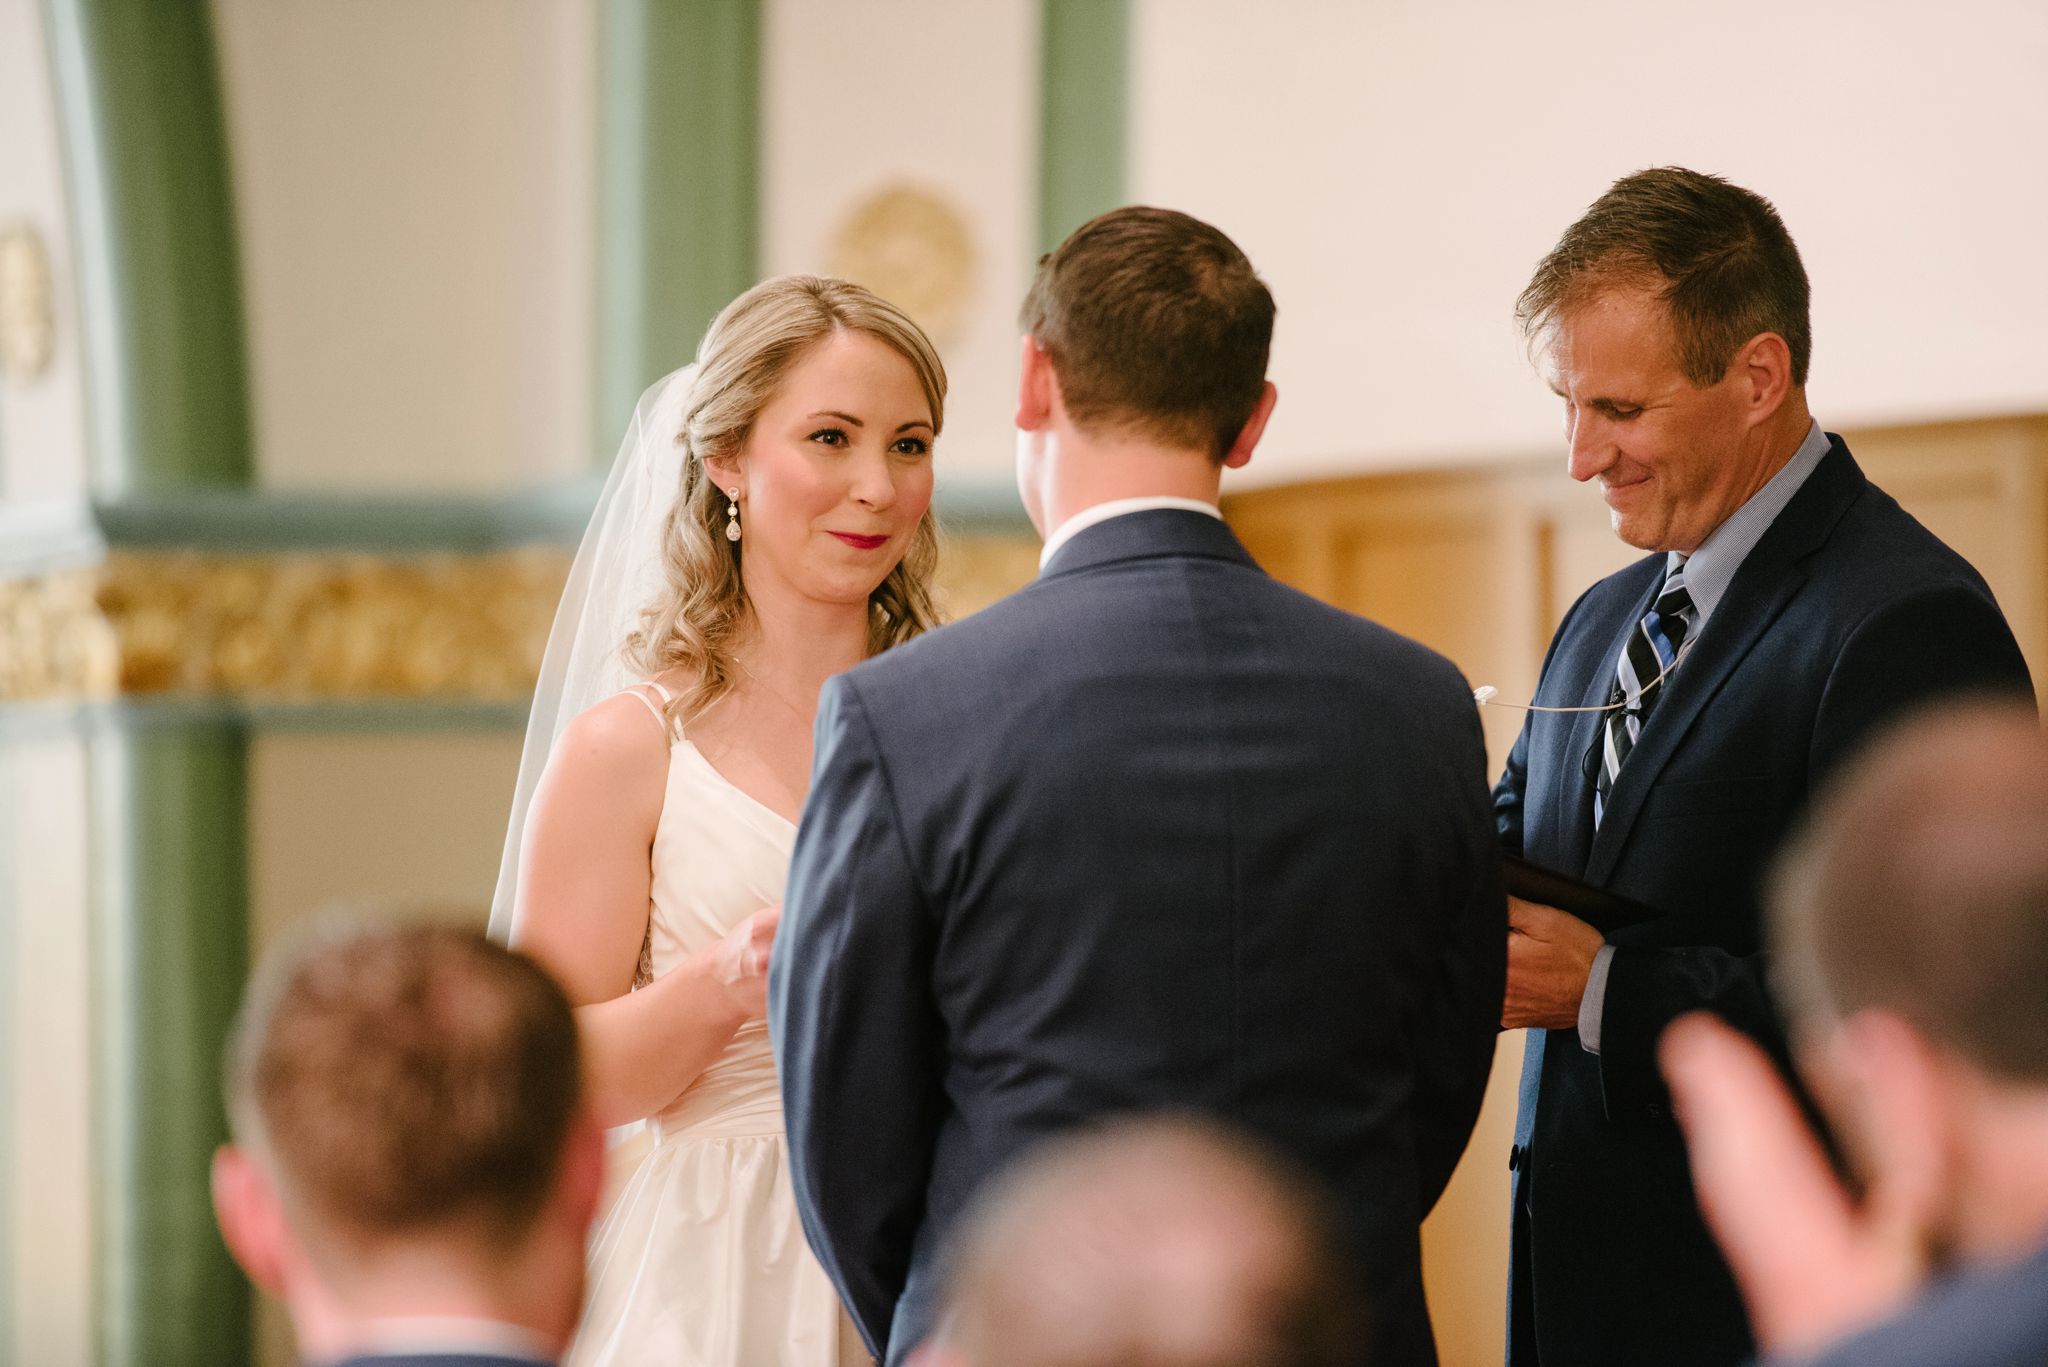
[
  {"x": 406, "y": 819},
  {"x": 931, "y": 93},
  {"x": 46, "y": 1106},
  {"x": 415, "y": 202},
  {"x": 414, "y": 187},
  {"x": 1394, "y": 169},
  {"x": 42, "y": 421},
  {"x": 1397, "y": 169}
]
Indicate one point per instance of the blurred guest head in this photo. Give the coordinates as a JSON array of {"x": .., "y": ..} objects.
[
  {"x": 408, "y": 1141},
  {"x": 1910, "y": 928},
  {"x": 811, "y": 420},
  {"x": 1147, "y": 335},
  {"x": 1673, "y": 319},
  {"x": 1909, "y": 934},
  {"x": 1147, "y": 1243}
]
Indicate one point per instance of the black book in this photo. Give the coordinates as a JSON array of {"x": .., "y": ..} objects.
[{"x": 1605, "y": 911}]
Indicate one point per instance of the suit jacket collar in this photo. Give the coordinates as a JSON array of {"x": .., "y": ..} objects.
[
  {"x": 1140, "y": 536},
  {"x": 1770, "y": 576}
]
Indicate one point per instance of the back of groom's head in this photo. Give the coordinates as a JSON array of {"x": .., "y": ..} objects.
[{"x": 1156, "y": 324}]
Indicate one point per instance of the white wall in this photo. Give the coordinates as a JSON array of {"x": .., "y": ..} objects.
[
  {"x": 395, "y": 819},
  {"x": 414, "y": 189},
  {"x": 46, "y": 1112},
  {"x": 1396, "y": 169},
  {"x": 415, "y": 201},
  {"x": 938, "y": 94},
  {"x": 42, "y": 421}
]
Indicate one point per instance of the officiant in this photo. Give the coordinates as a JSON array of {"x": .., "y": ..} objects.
[{"x": 1786, "y": 608}]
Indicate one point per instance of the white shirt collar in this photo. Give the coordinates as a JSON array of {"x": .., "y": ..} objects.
[
  {"x": 434, "y": 1335},
  {"x": 1118, "y": 507}
]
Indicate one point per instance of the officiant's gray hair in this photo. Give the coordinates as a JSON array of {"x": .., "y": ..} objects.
[{"x": 745, "y": 354}]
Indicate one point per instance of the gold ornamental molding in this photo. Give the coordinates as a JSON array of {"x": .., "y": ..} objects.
[
  {"x": 286, "y": 627},
  {"x": 28, "y": 309},
  {"x": 332, "y": 627}
]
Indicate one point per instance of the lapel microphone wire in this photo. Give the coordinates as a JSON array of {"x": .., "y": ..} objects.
[{"x": 1486, "y": 694}]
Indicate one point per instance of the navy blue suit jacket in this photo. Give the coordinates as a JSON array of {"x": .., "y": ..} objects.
[
  {"x": 1155, "y": 831},
  {"x": 1844, "y": 615}
]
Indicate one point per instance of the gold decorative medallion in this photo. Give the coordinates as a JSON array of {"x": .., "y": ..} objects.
[
  {"x": 28, "y": 316},
  {"x": 910, "y": 246}
]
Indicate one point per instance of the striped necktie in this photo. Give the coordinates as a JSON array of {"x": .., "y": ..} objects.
[{"x": 1652, "y": 648}]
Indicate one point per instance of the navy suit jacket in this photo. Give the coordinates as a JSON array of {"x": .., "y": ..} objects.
[
  {"x": 1845, "y": 614},
  {"x": 1155, "y": 831}
]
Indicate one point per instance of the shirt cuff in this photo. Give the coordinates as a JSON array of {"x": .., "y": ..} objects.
[{"x": 1595, "y": 1000}]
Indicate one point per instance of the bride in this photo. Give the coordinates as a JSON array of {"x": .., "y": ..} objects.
[{"x": 767, "y": 526}]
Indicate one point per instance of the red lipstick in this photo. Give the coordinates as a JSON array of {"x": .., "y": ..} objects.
[{"x": 865, "y": 543}]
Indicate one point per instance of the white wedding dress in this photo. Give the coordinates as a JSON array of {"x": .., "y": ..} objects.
[{"x": 700, "y": 1260}]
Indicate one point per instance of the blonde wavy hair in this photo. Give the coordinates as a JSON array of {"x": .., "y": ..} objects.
[{"x": 750, "y": 347}]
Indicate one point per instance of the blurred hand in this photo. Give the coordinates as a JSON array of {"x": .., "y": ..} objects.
[
  {"x": 1550, "y": 956},
  {"x": 1810, "y": 1265},
  {"x": 739, "y": 961}
]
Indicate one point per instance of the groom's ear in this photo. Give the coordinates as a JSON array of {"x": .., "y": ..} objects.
[
  {"x": 1037, "y": 387},
  {"x": 1255, "y": 427}
]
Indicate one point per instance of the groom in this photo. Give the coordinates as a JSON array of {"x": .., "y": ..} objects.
[{"x": 1154, "y": 832}]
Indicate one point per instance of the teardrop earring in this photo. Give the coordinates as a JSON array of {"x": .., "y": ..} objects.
[{"x": 732, "y": 514}]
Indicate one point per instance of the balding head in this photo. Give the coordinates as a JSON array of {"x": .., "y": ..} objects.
[{"x": 1148, "y": 1243}]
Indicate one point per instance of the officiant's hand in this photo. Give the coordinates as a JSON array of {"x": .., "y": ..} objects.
[
  {"x": 1550, "y": 956},
  {"x": 739, "y": 962}
]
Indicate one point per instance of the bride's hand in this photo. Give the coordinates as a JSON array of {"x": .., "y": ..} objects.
[{"x": 739, "y": 962}]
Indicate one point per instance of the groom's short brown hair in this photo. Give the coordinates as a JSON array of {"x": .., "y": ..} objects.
[
  {"x": 405, "y": 1080},
  {"x": 1155, "y": 323}
]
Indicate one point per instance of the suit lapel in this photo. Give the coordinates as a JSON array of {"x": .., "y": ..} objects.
[
  {"x": 1574, "y": 791},
  {"x": 1769, "y": 579},
  {"x": 1736, "y": 625}
]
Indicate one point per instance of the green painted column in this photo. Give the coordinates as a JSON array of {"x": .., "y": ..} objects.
[
  {"x": 679, "y": 186},
  {"x": 152, "y": 215},
  {"x": 1084, "y": 128},
  {"x": 170, "y": 858},
  {"x": 158, "y": 279}
]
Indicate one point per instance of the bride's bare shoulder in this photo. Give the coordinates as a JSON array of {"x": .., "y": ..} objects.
[{"x": 620, "y": 738}]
